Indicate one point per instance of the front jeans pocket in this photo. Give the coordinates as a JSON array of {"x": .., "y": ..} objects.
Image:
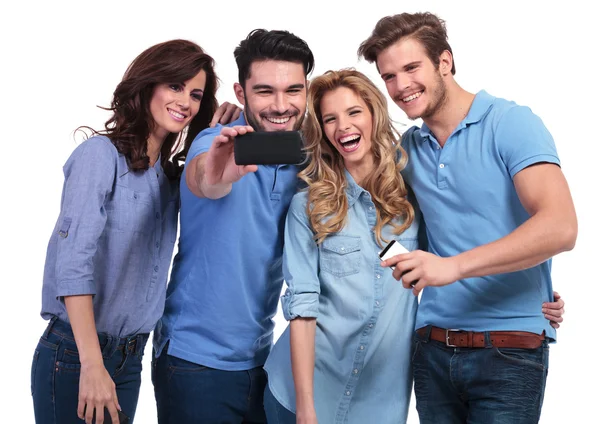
[
  {"x": 183, "y": 367},
  {"x": 534, "y": 358},
  {"x": 67, "y": 359}
]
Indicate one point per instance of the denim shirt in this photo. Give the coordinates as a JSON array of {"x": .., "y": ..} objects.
[
  {"x": 365, "y": 318},
  {"x": 113, "y": 239}
]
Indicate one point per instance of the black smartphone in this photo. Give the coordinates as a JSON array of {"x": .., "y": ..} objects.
[
  {"x": 268, "y": 148},
  {"x": 123, "y": 419}
]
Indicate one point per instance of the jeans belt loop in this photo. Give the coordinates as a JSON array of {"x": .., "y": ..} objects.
[
  {"x": 49, "y": 327},
  {"x": 131, "y": 345},
  {"x": 487, "y": 340}
]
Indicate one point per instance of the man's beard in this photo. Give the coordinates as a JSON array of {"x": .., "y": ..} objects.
[
  {"x": 439, "y": 99},
  {"x": 258, "y": 126}
]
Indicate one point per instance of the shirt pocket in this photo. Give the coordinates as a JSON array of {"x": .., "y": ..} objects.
[
  {"x": 131, "y": 211},
  {"x": 340, "y": 255}
]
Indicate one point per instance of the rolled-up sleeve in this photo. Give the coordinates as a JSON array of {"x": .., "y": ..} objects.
[
  {"x": 89, "y": 178},
  {"x": 300, "y": 264}
]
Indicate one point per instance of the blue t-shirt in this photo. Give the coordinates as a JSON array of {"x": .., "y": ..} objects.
[
  {"x": 467, "y": 196},
  {"x": 227, "y": 275}
]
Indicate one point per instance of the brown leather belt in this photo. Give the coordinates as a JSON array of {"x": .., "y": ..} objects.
[{"x": 460, "y": 338}]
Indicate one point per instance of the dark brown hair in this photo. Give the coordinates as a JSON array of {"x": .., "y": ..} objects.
[
  {"x": 261, "y": 44},
  {"x": 426, "y": 28},
  {"x": 131, "y": 124}
]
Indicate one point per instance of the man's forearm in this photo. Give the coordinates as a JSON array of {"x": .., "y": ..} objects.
[
  {"x": 535, "y": 241},
  {"x": 198, "y": 185}
]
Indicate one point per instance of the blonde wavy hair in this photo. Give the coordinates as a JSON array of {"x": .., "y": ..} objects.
[{"x": 327, "y": 204}]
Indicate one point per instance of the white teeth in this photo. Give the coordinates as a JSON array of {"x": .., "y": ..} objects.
[
  {"x": 412, "y": 97},
  {"x": 176, "y": 114},
  {"x": 350, "y": 147},
  {"x": 349, "y": 138},
  {"x": 279, "y": 120}
]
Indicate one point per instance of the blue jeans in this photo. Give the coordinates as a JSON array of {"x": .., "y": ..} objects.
[
  {"x": 194, "y": 394},
  {"x": 276, "y": 412},
  {"x": 478, "y": 385},
  {"x": 56, "y": 369}
]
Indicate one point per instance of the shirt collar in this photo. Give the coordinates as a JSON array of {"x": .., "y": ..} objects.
[
  {"x": 482, "y": 103},
  {"x": 353, "y": 190}
]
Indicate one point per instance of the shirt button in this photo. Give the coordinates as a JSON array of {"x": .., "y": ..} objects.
[
  {"x": 157, "y": 245},
  {"x": 361, "y": 347},
  {"x": 156, "y": 268},
  {"x": 442, "y": 165},
  {"x": 355, "y": 371},
  {"x": 157, "y": 215},
  {"x": 371, "y": 325},
  {"x": 347, "y": 392},
  {"x": 342, "y": 249},
  {"x": 377, "y": 302},
  {"x": 378, "y": 275},
  {"x": 370, "y": 208}
]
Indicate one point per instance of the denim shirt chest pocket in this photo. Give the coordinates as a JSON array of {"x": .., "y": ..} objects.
[
  {"x": 340, "y": 255},
  {"x": 130, "y": 210}
]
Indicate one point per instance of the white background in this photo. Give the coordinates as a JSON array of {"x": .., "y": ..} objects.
[{"x": 60, "y": 60}]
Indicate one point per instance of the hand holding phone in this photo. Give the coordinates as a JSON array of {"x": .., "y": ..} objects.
[
  {"x": 392, "y": 249},
  {"x": 220, "y": 168},
  {"x": 268, "y": 148}
]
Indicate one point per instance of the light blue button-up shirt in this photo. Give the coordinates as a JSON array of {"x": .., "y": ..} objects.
[
  {"x": 365, "y": 318},
  {"x": 113, "y": 239}
]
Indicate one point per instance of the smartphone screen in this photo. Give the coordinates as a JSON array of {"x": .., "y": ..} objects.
[{"x": 269, "y": 148}]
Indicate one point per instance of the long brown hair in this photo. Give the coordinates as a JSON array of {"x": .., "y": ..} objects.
[
  {"x": 327, "y": 204},
  {"x": 131, "y": 123}
]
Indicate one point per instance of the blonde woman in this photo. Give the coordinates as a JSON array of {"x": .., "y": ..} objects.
[{"x": 351, "y": 322}]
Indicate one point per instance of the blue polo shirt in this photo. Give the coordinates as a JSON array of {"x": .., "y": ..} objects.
[
  {"x": 227, "y": 276},
  {"x": 467, "y": 196}
]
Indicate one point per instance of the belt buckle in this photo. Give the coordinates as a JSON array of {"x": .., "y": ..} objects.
[{"x": 448, "y": 330}]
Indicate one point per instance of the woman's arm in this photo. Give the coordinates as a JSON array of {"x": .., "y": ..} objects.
[{"x": 302, "y": 341}]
